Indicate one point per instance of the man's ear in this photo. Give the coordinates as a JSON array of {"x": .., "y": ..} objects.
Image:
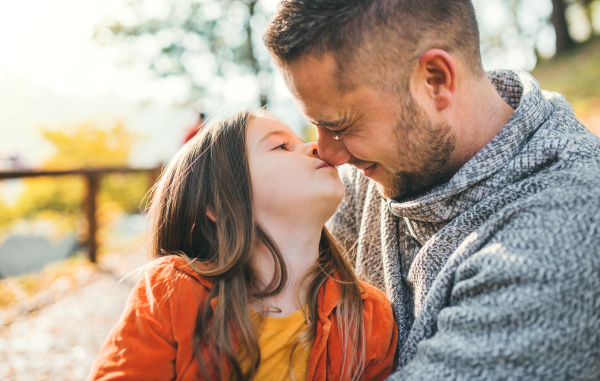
[
  {"x": 435, "y": 78},
  {"x": 210, "y": 214}
]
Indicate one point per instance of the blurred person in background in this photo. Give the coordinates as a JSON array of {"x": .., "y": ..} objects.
[
  {"x": 472, "y": 198},
  {"x": 246, "y": 282},
  {"x": 193, "y": 130}
]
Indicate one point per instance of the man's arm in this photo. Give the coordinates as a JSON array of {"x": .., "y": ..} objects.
[
  {"x": 345, "y": 223},
  {"x": 526, "y": 306}
]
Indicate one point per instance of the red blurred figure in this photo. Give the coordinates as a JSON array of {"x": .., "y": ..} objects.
[{"x": 192, "y": 131}]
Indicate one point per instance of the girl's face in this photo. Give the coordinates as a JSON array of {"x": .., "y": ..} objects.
[{"x": 288, "y": 178}]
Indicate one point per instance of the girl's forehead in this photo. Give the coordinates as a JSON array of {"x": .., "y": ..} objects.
[{"x": 261, "y": 126}]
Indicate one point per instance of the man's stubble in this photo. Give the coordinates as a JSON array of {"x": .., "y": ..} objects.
[{"x": 424, "y": 150}]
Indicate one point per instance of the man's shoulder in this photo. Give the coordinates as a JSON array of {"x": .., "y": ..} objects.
[
  {"x": 564, "y": 134},
  {"x": 553, "y": 229}
]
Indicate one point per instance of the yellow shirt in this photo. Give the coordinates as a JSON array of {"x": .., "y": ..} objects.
[{"x": 276, "y": 340}]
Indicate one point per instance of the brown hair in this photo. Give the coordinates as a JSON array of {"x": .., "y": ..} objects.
[
  {"x": 211, "y": 172},
  {"x": 387, "y": 35}
]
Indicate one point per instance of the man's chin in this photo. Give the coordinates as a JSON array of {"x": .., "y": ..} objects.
[
  {"x": 387, "y": 192},
  {"x": 406, "y": 186},
  {"x": 401, "y": 186},
  {"x": 387, "y": 184}
]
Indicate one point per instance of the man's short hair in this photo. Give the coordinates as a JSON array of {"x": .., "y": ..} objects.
[{"x": 384, "y": 34}]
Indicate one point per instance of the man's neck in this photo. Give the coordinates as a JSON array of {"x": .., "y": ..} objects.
[{"x": 478, "y": 116}]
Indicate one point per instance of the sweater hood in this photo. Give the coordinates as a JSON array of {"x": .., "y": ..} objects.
[
  {"x": 446, "y": 201},
  {"x": 503, "y": 161}
]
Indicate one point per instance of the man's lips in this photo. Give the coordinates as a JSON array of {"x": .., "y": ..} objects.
[
  {"x": 363, "y": 166},
  {"x": 324, "y": 165},
  {"x": 367, "y": 169}
]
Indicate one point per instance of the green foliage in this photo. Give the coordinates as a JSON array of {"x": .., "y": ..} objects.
[
  {"x": 88, "y": 145},
  {"x": 576, "y": 75},
  {"x": 194, "y": 40}
]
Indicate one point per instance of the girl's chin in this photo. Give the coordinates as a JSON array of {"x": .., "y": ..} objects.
[
  {"x": 329, "y": 203},
  {"x": 324, "y": 204}
]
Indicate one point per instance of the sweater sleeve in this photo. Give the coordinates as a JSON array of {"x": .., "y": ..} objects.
[
  {"x": 345, "y": 223},
  {"x": 141, "y": 346}
]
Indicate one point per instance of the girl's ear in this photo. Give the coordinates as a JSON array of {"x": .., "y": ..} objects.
[{"x": 210, "y": 214}]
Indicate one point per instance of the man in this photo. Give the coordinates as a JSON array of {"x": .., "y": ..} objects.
[{"x": 472, "y": 198}]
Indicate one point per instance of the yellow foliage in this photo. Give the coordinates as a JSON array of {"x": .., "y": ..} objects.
[
  {"x": 88, "y": 145},
  {"x": 6, "y": 215},
  {"x": 309, "y": 133},
  {"x": 61, "y": 198},
  {"x": 59, "y": 194}
]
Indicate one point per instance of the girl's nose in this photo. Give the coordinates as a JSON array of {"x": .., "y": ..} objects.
[{"x": 311, "y": 149}]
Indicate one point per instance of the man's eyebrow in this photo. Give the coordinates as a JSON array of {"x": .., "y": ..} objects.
[
  {"x": 329, "y": 123},
  {"x": 278, "y": 133}
]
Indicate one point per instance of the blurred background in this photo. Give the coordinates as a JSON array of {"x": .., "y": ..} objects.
[{"x": 96, "y": 95}]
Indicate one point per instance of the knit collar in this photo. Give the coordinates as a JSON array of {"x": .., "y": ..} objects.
[{"x": 446, "y": 201}]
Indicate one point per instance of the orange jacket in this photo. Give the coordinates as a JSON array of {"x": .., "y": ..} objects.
[{"x": 154, "y": 338}]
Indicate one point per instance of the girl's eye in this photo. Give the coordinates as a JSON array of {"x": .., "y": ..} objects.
[{"x": 283, "y": 146}]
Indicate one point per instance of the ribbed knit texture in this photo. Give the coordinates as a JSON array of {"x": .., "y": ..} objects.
[{"x": 494, "y": 275}]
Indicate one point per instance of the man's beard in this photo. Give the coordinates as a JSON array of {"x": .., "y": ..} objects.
[{"x": 425, "y": 154}]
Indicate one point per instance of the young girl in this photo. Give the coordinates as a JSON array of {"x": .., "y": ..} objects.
[{"x": 247, "y": 284}]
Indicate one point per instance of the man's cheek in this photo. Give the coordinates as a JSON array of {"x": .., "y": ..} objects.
[{"x": 360, "y": 151}]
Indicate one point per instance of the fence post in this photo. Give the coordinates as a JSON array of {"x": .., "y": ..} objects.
[
  {"x": 93, "y": 186},
  {"x": 153, "y": 175}
]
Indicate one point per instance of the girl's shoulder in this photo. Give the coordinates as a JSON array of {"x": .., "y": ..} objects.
[
  {"x": 175, "y": 269},
  {"x": 372, "y": 293},
  {"x": 381, "y": 333},
  {"x": 375, "y": 302}
]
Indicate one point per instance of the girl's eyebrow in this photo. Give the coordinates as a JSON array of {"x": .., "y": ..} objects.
[{"x": 282, "y": 133}]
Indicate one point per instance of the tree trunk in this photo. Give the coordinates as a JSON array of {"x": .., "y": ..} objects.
[
  {"x": 263, "y": 100},
  {"x": 559, "y": 20},
  {"x": 252, "y": 56}
]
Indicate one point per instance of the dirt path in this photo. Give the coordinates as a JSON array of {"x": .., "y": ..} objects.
[{"x": 56, "y": 334}]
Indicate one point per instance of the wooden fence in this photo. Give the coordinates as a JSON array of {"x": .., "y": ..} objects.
[{"x": 92, "y": 177}]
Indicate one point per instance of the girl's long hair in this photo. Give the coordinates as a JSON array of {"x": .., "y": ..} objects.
[{"x": 211, "y": 173}]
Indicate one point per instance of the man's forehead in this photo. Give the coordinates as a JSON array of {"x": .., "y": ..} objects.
[
  {"x": 311, "y": 74},
  {"x": 313, "y": 83}
]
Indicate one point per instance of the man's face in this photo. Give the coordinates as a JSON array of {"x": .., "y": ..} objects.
[{"x": 389, "y": 138}]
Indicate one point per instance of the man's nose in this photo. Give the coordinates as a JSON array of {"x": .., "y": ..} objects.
[{"x": 331, "y": 150}]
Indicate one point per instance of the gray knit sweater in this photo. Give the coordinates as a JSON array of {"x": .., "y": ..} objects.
[{"x": 494, "y": 275}]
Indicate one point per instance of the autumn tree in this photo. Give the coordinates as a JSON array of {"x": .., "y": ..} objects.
[
  {"x": 196, "y": 40},
  {"x": 528, "y": 19},
  {"x": 60, "y": 198}
]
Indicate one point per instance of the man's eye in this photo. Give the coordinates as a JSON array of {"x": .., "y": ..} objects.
[{"x": 336, "y": 135}]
